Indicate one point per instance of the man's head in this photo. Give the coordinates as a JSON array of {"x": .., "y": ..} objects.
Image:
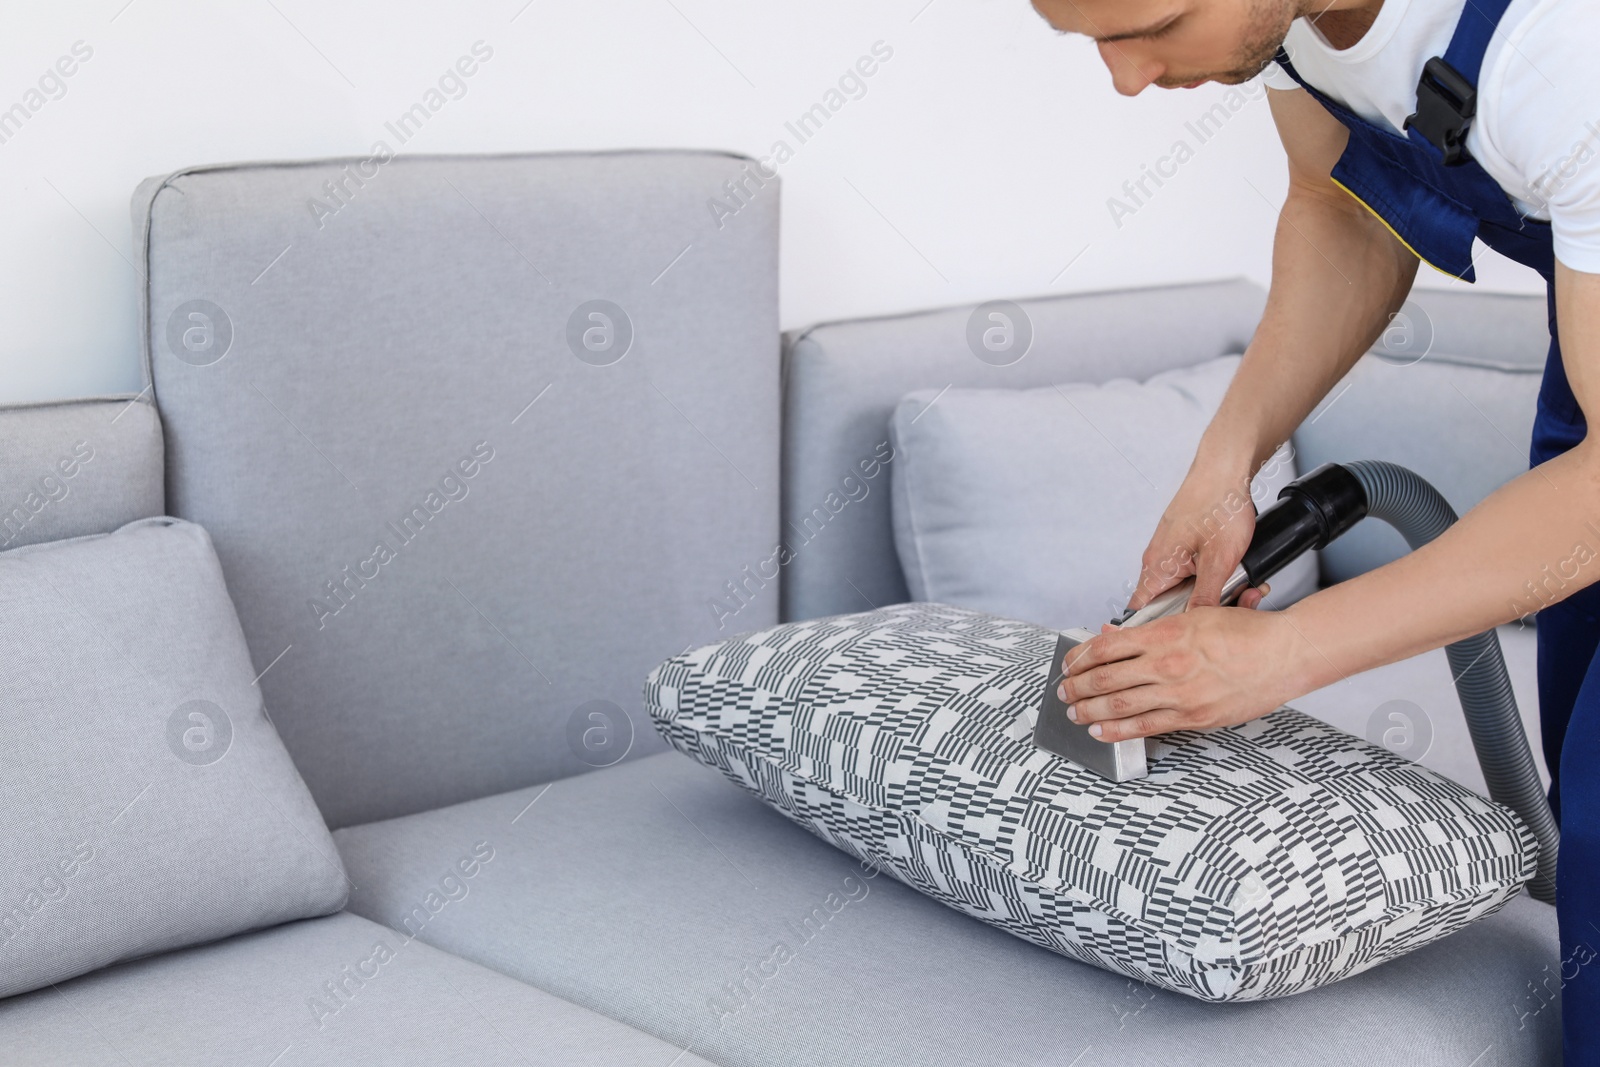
[{"x": 1177, "y": 43}]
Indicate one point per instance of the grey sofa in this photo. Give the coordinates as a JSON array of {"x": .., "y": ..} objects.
[{"x": 484, "y": 687}]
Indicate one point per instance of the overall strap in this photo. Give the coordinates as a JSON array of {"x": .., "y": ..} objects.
[
  {"x": 1479, "y": 19},
  {"x": 1447, "y": 93},
  {"x": 1282, "y": 59},
  {"x": 1422, "y": 182},
  {"x": 1342, "y": 113}
]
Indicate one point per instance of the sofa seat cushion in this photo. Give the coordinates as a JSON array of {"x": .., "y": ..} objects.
[
  {"x": 332, "y": 991},
  {"x": 1254, "y": 861},
  {"x": 660, "y": 894}
]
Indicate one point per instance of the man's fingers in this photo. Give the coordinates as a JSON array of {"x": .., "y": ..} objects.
[
  {"x": 1213, "y": 572},
  {"x": 1125, "y": 702},
  {"x": 1148, "y": 724},
  {"x": 1078, "y": 658},
  {"x": 1108, "y": 646},
  {"x": 1160, "y": 571},
  {"x": 1150, "y": 586},
  {"x": 1107, "y": 678},
  {"x": 1252, "y": 598}
]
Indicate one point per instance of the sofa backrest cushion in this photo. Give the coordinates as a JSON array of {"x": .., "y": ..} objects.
[
  {"x": 149, "y": 804},
  {"x": 1448, "y": 391},
  {"x": 843, "y": 379},
  {"x": 77, "y": 467},
  {"x": 480, "y": 440}
]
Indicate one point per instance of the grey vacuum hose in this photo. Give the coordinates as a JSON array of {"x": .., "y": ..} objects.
[{"x": 1417, "y": 511}]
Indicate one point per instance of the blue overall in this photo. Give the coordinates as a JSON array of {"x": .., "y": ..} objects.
[{"x": 1437, "y": 209}]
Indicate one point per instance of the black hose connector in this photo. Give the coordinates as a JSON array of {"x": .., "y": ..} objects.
[
  {"x": 1419, "y": 514},
  {"x": 1311, "y": 511}
]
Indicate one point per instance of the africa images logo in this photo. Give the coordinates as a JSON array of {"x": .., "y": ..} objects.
[
  {"x": 199, "y": 732},
  {"x": 199, "y": 333}
]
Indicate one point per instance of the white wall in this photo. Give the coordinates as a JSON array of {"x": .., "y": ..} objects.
[{"x": 978, "y": 163}]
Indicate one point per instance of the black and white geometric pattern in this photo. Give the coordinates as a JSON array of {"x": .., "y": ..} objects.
[{"x": 1254, "y": 861}]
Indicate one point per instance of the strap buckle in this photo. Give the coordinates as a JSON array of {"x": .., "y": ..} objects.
[{"x": 1446, "y": 104}]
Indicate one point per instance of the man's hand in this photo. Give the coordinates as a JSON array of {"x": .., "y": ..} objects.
[
  {"x": 1204, "y": 667},
  {"x": 1205, "y": 532}
]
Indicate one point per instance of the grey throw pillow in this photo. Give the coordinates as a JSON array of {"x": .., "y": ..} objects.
[
  {"x": 148, "y": 801},
  {"x": 1037, "y": 503}
]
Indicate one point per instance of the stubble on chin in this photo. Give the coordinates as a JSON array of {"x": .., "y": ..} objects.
[{"x": 1258, "y": 51}]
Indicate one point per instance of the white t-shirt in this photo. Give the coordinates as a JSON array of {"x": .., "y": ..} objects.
[{"x": 1537, "y": 131}]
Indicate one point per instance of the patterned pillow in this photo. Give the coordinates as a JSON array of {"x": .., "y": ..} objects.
[{"x": 1255, "y": 861}]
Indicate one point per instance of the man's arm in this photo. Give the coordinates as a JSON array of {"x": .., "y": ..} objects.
[
  {"x": 1533, "y": 541},
  {"x": 1338, "y": 275}
]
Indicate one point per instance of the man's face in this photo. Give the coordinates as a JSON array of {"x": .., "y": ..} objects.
[{"x": 1176, "y": 43}]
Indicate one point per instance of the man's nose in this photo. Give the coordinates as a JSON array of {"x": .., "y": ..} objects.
[{"x": 1130, "y": 71}]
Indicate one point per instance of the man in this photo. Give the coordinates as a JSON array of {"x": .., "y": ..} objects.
[{"x": 1394, "y": 156}]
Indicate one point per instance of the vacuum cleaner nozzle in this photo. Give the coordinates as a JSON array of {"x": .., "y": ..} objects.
[{"x": 1309, "y": 513}]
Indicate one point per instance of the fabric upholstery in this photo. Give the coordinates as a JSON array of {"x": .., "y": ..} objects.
[
  {"x": 657, "y": 892},
  {"x": 149, "y": 803},
  {"x": 1503, "y": 331},
  {"x": 477, "y": 449},
  {"x": 843, "y": 379},
  {"x": 77, "y": 467},
  {"x": 1463, "y": 427},
  {"x": 1254, "y": 861},
  {"x": 318, "y": 993},
  {"x": 1037, "y": 504}
]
